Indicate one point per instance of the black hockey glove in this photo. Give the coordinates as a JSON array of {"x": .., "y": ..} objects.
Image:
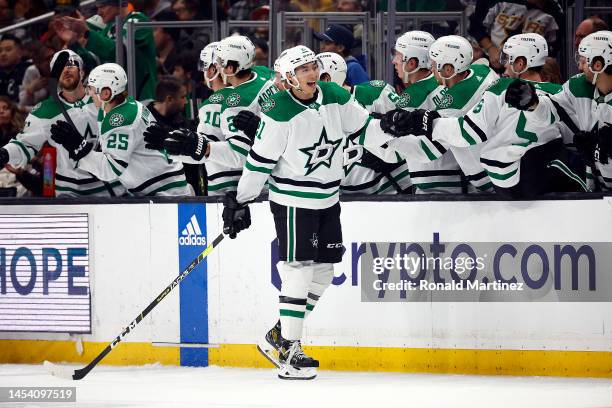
[
  {"x": 65, "y": 134},
  {"x": 604, "y": 143},
  {"x": 586, "y": 143},
  {"x": 521, "y": 95},
  {"x": 236, "y": 217},
  {"x": 248, "y": 122},
  {"x": 4, "y": 157},
  {"x": 186, "y": 142},
  {"x": 155, "y": 135},
  {"x": 421, "y": 122},
  {"x": 373, "y": 162}
]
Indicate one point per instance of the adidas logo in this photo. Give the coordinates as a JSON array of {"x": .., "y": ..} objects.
[{"x": 192, "y": 234}]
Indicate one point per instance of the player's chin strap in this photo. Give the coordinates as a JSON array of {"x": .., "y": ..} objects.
[
  {"x": 295, "y": 85},
  {"x": 209, "y": 80},
  {"x": 408, "y": 73},
  {"x": 224, "y": 76}
]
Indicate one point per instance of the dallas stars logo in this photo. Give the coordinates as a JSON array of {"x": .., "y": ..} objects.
[
  {"x": 404, "y": 101},
  {"x": 215, "y": 98},
  {"x": 352, "y": 155},
  {"x": 233, "y": 100},
  {"x": 116, "y": 119},
  {"x": 268, "y": 105},
  {"x": 377, "y": 83},
  {"x": 321, "y": 153}
]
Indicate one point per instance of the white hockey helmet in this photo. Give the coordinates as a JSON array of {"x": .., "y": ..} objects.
[
  {"x": 295, "y": 57},
  {"x": 453, "y": 50},
  {"x": 207, "y": 58},
  {"x": 597, "y": 45},
  {"x": 333, "y": 65},
  {"x": 236, "y": 48},
  {"x": 531, "y": 46},
  {"x": 111, "y": 76},
  {"x": 414, "y": 44},
  {"x": 74, "y": 59}
]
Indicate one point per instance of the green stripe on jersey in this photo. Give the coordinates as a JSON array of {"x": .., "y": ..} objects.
[
  {"x": 366, "y": 93},
  {"x": 238, "y": 149},
  {"x": 414, "y": 95},
  {"x": 256, "y": 168},
  {"x": 24, "y": 148},
  {"x": 81, "y": 192},
  {"x": 292, "y": 313},
  {"x": 498, "y": 176},
  {"x": 291, "y": 241},
  {"x": 215, "y": 187},
  {"x": 333, "y": 93},
  {"x": 302, "y": 194},
  {"x": 175, "y": 184}
]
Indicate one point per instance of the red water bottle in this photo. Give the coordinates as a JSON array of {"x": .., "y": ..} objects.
[{"x": 49, "y": 155}]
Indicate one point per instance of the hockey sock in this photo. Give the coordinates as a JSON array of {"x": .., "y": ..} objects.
[
  {"x": 295, "y": 277},
  {"x": 322, "y": 276}
]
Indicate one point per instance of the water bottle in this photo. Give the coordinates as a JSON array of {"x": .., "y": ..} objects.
[{"x": 49, "y": 155}]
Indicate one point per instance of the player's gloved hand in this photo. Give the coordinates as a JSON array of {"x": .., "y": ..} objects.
[
  {"x": 236, "y": 216},
  {"x": 604, "y": 143},
  {"x": 4, "y": 157},
  {"x": 248, "y": 122},
  {"x": 186, "y": 142},
  {"x": 521, "y": 95},
  {"x": 63, "y": 133},
  {"x": 585, "y": 143},
  {"x": 419, "y": 123},
  {"x": 373, "y": 162},
  {"x": 155, "y": 135}
]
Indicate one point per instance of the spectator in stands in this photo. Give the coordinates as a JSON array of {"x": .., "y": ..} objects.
[
  {"x": 169, "y": 103},
  {"x": 551, "y": 72},
  {"x": 190, "y": 39},
  {"x": 588, "y": 26},
  {"x": 36, "y": 77},
  {"x": 340, "y": 40},
  {"x": 260, "y": 14},
  {"x": 242, "y": 9},
  {"x": 12, "y": 66},
  {"x": 152, "y": 8},
  {"x": 103, "y": 44},
  {"x": 261, "y": 51},
  {"x": 166, "y": 43},
  {"x": 11, "y": 121},
  {"x": 494, "y": 21},
  {"x": 7, "y": 17}
]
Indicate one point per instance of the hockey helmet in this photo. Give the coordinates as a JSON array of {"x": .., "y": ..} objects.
[
  {"x": 334, "y": 65},
  {"x": 236, "y": 48},
  {"x": 594, "y": 45},
  {"x": 111, "y": 76},
  {"x": 207, "y": 58},
  {"x": 531, "y": 46},
  {"x": 453, "y": 50}
]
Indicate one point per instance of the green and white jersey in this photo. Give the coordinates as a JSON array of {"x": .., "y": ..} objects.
[
  {"x": 509, "y": 132},
  {"x": 440, "y": 176},
  {"x": 300, "y": 147},
  {"x": 375, "y": 97},
  {"x": 69, "y": 180},
  {"x": 123, "y": 156},
  {"x": 457, "y": 101},
  {"x": 589, "y": 110}
]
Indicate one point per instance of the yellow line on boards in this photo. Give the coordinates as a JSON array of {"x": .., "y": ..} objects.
[{"x": 407, "y": 360}]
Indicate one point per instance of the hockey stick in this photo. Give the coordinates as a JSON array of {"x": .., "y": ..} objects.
[{"x": 70, "y": 374}]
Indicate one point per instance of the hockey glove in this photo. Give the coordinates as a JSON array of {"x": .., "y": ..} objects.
[
  {"x": 586, "y": 143},
  {"x": 248, "y": 122},
  {"x": 186, "y": 142},
  {"x": 63, "y": 133},
  {"x": 4, "y": 157},
  {"x": 236, "y": 216},
  {"x": 377, "y": 164},
  {"x": 420, "y": 123},
  {"x": 155, "y": 135},
  {"x": 521, "y": 95}
]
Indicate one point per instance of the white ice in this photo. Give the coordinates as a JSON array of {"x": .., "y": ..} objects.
[{"x": 156, "y": 386}]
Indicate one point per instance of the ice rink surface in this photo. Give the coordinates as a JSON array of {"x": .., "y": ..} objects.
[{"x": 215, "y": 387}]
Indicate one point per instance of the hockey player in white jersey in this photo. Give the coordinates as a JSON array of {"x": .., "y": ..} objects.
[
  {"x": 365, "y": 172},
  {"x": 413, "y": 66},
  {"x": 587, "y": 99},
  {"x": 222, "y": 145},
  {"x": 299, "y": 147},
  {"x": 123, "y": 156},
  {"x": 70, "y": 181},
  {"x": 524, "y": 155},
  {"x": 464, "y": 84}
]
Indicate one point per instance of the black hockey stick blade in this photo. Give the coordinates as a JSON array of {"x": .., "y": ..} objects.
[
  {"x": 70, "y": 374},
  {"x": 60, "y": 64}
]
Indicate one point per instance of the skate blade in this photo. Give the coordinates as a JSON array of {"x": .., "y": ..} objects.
[
  {"x": 267, "y": 353},
  {"x": 287, "y": 372}
]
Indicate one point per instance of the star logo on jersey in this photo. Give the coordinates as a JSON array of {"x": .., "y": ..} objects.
[
  {"x": 314, "y": 106},
  {"x": 268, "y": 105},
  {"x": 445, "y": 102},
  {"x": 377, "y": 83},
  {"x": 403, "y": 101},
  {"x": 233, "y": 100},
  {"x": 352, "y": 155},
  {"x": 116, "y": 119},
  {"x": 215, "y": 98},
  {"x": 321, "y": 153}
]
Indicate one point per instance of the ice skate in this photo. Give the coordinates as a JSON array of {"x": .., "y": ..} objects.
[
  {"x": 270, "y": 345},
  {"x": 294, "y": 364}
]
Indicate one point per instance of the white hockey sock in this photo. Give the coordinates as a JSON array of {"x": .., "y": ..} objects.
[
  {"x": 295, "y": 277},
  {"x": 323, "y": 274}
]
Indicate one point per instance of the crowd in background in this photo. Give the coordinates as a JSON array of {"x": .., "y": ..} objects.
[{"x": 168, "y": 78}]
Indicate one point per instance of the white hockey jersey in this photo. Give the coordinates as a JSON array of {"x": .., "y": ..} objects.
[
  {"x": 589, "y": 111},
  {"x": 509, "y": 132},
  {"x": 376, "y": 97},
  {"x": 300, "y": 147},
  {"x": 143, "y": 172},
  {"x": 69, "y": 180}
]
